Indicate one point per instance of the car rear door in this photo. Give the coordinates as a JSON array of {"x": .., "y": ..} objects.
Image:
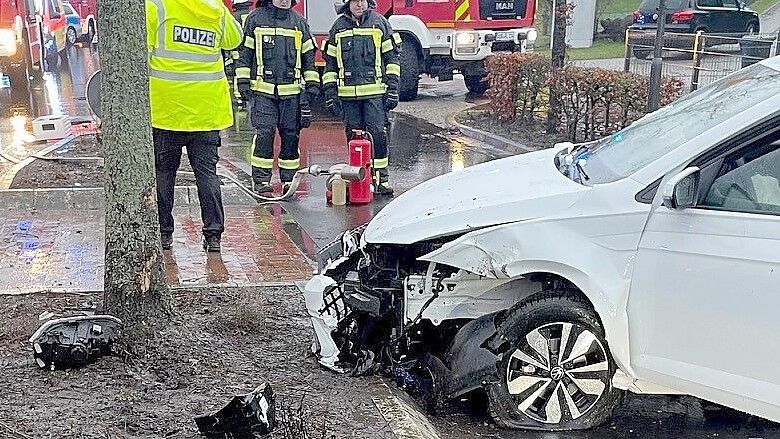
[
  {"x": 736, "y": 20},
  {"x": 705, "y": 294}
]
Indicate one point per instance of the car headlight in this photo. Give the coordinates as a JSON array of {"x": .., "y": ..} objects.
[
  {"x": 466, "y": 38},
  {"x": 531, "y": 35},
  {"x": 7, "y": 42}
]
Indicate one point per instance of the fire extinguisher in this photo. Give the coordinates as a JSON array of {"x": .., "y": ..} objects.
[{"x": 360, "y": 155}]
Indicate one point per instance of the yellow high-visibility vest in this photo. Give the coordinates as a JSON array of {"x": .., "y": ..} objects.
[{"x": 188, "y": 87}]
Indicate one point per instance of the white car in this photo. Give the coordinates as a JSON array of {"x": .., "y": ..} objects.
[{"x": 647, "y": 261}]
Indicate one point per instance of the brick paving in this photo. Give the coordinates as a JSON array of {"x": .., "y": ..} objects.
[{"x": 63, "y": 250}]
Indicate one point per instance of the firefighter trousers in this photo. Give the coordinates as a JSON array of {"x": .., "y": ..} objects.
[
  {"x": 202, "y": 152},
  {"x": 269, "y": 115},
  {"x": 368, "y": 115}
]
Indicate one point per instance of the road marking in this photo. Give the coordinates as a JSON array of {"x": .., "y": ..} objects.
[{"x": 401, "y": 414}]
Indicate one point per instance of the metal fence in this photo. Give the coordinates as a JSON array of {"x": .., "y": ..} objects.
[{"x": 697, "y": 59}]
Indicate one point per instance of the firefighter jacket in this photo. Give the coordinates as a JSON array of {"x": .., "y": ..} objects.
[
  {"x": 362, "y": 58},
  {"x": 187, "y": 84},
  {"x": 278, "y": 53},
  {"x": 240, "y": 13}
]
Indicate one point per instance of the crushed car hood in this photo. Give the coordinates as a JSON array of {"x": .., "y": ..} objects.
[{"x": 516, "y": 188}]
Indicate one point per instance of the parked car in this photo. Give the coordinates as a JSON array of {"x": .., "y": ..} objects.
[
  {"x": 645, "y": 261},
  {"x": 730, "y": 18},
  {"x": 73, "y": 21},
  {"x": 87, "y": 10}
]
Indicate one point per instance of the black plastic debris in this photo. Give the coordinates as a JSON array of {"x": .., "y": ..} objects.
[
  {"x": 74, "y": 341},
  {"x": 245, "y": 417}
]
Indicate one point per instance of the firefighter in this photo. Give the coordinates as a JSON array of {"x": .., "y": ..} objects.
[
  {"x": 362, "y": 74},
  {"x": 241, "y": 10},
  {"x": 190, "y": 102},
  {"x": 274, "y": 68}
]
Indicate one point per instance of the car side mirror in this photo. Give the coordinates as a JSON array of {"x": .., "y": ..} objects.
[{"x": 682, "y": 190}]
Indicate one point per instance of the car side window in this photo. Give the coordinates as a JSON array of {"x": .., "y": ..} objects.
[
  {"x": 732, "y": 4},
  {"x": 710, "y": 3},
  {"x": 748, "y": 181}
]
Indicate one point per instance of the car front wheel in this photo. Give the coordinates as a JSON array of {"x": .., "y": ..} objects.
[{"x": 556, "y": 372}]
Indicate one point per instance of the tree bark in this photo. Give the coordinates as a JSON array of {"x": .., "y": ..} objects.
[
  {"x": 135, "y": 288},
  {"x": 561, "y": 13}
]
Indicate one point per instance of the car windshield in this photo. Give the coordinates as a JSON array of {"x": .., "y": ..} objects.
[
  {"x": 670, "y": 5},
  {"x": 650, "y": 138}
]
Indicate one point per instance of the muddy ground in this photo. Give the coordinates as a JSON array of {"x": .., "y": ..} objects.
[
  {"x": 223, "y": 342},
  {"x": 67, "y": 173},
  {"x": 533, "y": 135}
]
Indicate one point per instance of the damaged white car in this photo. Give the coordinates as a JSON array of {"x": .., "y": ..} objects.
[{"x": 647, "y": 261}]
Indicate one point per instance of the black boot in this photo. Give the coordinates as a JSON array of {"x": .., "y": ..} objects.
[
  {"x": 381, "y": 182},
  {"x": 212, "y": 243}
]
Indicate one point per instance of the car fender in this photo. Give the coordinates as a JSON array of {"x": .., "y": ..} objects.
[{"x": 594, "y": 253}]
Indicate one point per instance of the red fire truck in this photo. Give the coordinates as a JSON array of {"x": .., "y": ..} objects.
[
  {"x": 441, "y": 37},
  {"x": 31, "y": 31}
]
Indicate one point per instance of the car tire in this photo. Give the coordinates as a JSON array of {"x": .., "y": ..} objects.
[
  {"x": 476, "y": 84},
  {"x": 71, "y": 37},
  {"x": 537, "y": 390},
  {"x": 752, "y": 28},
  {"x": 410, "y": 71}
]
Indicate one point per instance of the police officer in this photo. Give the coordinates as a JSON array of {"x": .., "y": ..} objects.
[
  {"x": 276, "y": 61},
  {"x": 190, "y": 102},
  {"x": 361, "y": 77}
]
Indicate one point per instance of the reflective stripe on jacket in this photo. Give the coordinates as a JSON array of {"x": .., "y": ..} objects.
[
  {"x": 362, "y": 59},
  {"x": 188, "y": 87},
  {"x": 277, "y": 57}
]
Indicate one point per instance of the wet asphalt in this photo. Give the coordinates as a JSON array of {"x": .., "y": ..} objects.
[{"x": 418, "y": 151}]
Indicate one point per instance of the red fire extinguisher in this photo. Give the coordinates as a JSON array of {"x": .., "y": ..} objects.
[{"x": 360, "y": 152}]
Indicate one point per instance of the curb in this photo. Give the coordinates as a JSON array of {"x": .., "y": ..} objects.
[
  {"x": 94, "y": 198},
  {"x": 491, "y": 139}
]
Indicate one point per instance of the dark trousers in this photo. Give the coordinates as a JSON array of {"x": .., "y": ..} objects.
[
  {"x": 268, "y": 116},
  {"x": 202, "y": 151},
  {"x": 368, "y": 115}
]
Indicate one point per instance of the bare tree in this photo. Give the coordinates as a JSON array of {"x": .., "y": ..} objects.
[
  {"x": 562, "y": 11},
  {"x": 135, "y": 288}
]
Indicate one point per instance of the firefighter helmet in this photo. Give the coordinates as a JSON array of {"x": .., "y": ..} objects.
[
  {"x": 345, "y": 6},
  {"x": 268, "y": 2}
]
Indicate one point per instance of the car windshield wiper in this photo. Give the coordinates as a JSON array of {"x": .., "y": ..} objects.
[{"x": 581, "y": 171}]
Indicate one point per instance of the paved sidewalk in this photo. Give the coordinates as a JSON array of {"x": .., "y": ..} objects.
[{"x": 63, "y": 250}]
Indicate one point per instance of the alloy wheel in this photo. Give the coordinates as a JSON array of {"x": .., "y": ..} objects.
[{"x": 558, "y": 373}]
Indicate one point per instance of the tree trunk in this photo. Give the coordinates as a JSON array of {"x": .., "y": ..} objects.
[
  {"x": 561, "y": 11},
  {"x": 135, "y": 288}
]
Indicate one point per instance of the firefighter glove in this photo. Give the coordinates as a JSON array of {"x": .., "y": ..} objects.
[
  {"x": 391, "y": 100},
  {"x": 305, "y": 114},
  {"x": 332, "y": 101}
]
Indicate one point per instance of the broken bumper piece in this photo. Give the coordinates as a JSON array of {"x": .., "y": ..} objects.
[
  {"x": 325, "y": 310},
  {"x": 74, "y": 341},
  {"x": 245, "y": 416},
  {"x": 324, "y": 298}
]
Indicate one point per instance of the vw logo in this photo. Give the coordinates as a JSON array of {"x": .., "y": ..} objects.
[
  {"x": 655, "y": 16},
  {"x": 557, "y": 373}
]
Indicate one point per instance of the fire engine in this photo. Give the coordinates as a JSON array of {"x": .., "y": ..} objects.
[
  {"x": 441, "y": 37},
  {"x": 31, "y": 32}
]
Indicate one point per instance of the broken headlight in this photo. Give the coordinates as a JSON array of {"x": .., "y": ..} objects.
[{"x": 342, "y": 247}]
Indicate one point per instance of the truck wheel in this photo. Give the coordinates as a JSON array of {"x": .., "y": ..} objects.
[
  {"x": 410, "y": 71},
  {"x": 556, "y": 370},
  {"x": 476, "y": 84}
]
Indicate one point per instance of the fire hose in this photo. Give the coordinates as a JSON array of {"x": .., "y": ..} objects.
[{"x": 343, "y": 171}]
